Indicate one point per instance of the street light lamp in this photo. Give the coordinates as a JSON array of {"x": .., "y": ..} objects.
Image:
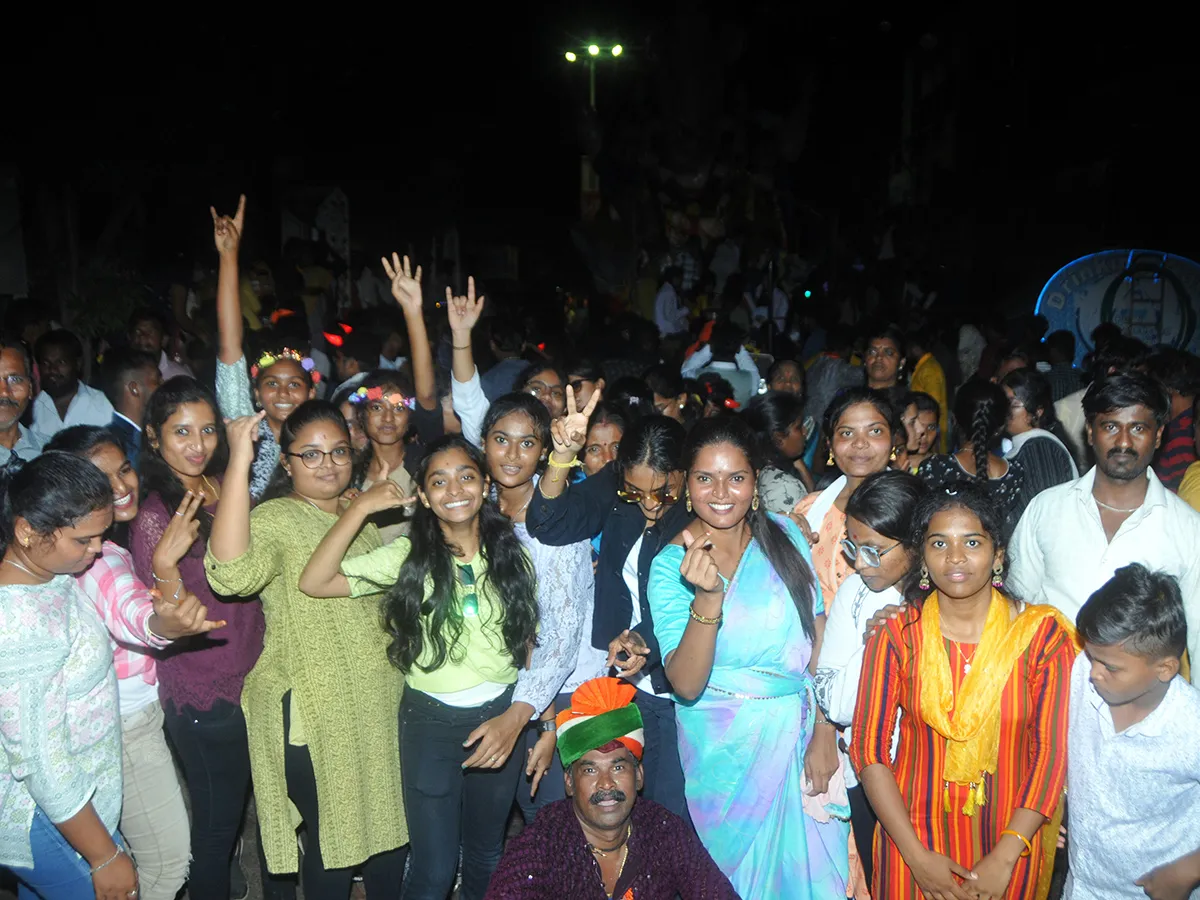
[
  {"x": 571, "y": 57},
  {"x": 618, "y": 50},
  {"x": 593, "y": 53},
  {"x": 593, "y": 50}
]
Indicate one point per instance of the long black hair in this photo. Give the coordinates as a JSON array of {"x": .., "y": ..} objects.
[
  {"x": 981, "y": 411},
  {"x": 155, "y": 474},
  {"x": 885, "y": 502},
  {"x": 509, "y": 575},
  {"x": 83, "y": 441},
  {"x": 1033, "y": 392},
  {"x": 781, "y": 553},
  {"x": 53, "y": 491},
  {"x": 653, "y": 441},
  {"x": 526, "y": 404},
  {"x": 302, "y": 416},
  {"x": 968, "y": 495},
  {"x": 772, "y": 414}
]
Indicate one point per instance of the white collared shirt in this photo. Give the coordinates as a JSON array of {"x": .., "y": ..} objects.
[
  {"x": 1135, "y": 794},
  {"x": 88, "y": 407},
  {"x": 1060, "y": 554},
  {"x": 27, "y": 447},
  {"x": 168, "y": 368}
]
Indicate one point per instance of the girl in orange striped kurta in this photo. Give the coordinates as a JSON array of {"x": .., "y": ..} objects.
[{"x": 913, "y": 660}]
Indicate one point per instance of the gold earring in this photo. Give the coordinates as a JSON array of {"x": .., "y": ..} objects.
[
  {"x": 829, "y": 462},
  {"x": 893, "y": 456},
  {"x": 924, "y": 584},
  {"x": 754, "y": 502},
  {"x": 688, "y": 501}
]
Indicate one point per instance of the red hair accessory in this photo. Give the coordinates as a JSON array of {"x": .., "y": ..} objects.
[
  {"x": 335, "y": 340},
  {"x": 730, "y": 403}
]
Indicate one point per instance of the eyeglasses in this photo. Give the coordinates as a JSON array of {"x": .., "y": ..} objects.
[
  {"x": 541, "y": 390},
  {"x": 470, "y": 600},
  {"x": 663, "y": 495},
  {"x": 870, "y": 556},
  {"x": 314, "y": 459},
  {"x": 16, "y": 382}
]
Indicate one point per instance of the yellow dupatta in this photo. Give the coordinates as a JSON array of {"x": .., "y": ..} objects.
[{"x": 973, "y": 734}]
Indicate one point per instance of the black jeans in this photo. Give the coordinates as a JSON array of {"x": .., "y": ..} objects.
[
  {"x": 862, "y": 822},
  {"x": 660, "y": 759},
  {"x": 382, "y": 873},
  {"x": 212, "y": 747},
  {"x": 551, "y": 787},
  {"x": 448, "y": 806}
]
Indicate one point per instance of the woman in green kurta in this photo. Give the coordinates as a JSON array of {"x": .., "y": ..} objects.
[{"x": 322, "y": 704}]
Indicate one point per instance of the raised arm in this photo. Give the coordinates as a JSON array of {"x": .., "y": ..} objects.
[
  {"x": 469, "y": 400},
  {"x": 227, "y": 234},
  {"x": 406, "y": 289},
  {"x": 230, "y": 536},
  {"x": 568, "y": 434}
]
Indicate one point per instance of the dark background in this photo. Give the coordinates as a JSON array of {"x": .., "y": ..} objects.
[{"x": 1065, "y": 137}]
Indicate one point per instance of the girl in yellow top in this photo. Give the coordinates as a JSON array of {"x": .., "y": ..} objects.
[
  {"x": 461, "y": 609},
  {"x": 322, "y": 703}
]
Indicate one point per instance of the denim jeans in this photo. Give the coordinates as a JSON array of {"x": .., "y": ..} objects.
[
  {"x": 448, "y": 806},
  {"x": 215, "y": 755},
  {"x": 58, "y": 873},
  {"x": 154, "y": 819},
  {"x": 551, "y": 787},
  {"x": 660, "y": 759}
]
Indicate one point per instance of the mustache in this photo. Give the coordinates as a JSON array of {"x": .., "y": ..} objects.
[
  {"x": 601, "y": 796},
  {"x": 6, "y": 402},
  {"x": 1112, "y": 454}
]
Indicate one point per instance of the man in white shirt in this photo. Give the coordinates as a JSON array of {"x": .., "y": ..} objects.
[
  {"x": 1074, "y": 536},
  {"x": 1133, "y": 746},
  {"x": 148, "y": 333},
  {"x": 670, "y": 315},
  {"x": 16, "y": 387},
  {"x": 65, "y": 400}
]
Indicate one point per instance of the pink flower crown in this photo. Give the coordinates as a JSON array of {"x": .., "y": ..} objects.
[
  {"x": 269, "y": 359},
  {"x": 365, "y": 395}
]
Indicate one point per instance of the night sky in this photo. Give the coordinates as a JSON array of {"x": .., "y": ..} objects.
[{"x": 1069, "y": 138}]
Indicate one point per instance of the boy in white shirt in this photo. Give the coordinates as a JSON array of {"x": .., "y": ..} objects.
[{"x": 1133, "y": 749}]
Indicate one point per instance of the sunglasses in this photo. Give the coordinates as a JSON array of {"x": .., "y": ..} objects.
[
  {"x": 870, "y": 556},
  {"x": 663, "y": 495}
]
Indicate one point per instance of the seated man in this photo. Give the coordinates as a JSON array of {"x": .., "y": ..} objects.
[{"x": 602, "y": 841}]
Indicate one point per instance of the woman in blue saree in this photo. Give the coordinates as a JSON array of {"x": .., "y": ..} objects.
[{"x": 741, "y": 621}]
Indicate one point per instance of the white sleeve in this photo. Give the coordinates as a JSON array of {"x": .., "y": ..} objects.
[
  {"x": 840, "y": 663},
  {"x": 697, "y": 361},
  {"x": 1026, "y": 561},
  {"x": 471, "y": 404}
]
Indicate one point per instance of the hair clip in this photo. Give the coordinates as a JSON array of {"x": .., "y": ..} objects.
[
  {"x": 334, "y": 340},
  {"x": 633, "y": 401},
  {"x": 730, "y": 403},
  {"x": 358, "y": 396},
  {"x": 281, "y": 314}
]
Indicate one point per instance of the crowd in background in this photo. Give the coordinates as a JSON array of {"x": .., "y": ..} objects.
[{"x": 887, "y": 594}]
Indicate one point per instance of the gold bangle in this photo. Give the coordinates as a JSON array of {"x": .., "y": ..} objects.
[
  {"x": 557, "y": 465},
  {"x": 704, "y": 620},
  {"x": 1024, "y": 840},
  {"x": 456, "y": 347}
]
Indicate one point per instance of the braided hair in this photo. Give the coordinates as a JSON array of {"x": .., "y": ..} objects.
[{"x": 981, "y": 411}]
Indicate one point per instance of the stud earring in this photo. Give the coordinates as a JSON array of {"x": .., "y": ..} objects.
[
  {"x": 924, "y": 584},
  {"x": 998, "y": 576},
  {"x": 754, "y": 502}
]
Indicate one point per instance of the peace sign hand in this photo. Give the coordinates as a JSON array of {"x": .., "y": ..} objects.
[
  {"x": 227, "y": 232},
  {"x": 180, "y": 534},
  {"x": 383, "y": 494},
  {"x": 699, "y": 568},
  {"x": 464, "y": 312},
  {"x": 406, "y": 286},
  {"x": 570, "y": 431}
]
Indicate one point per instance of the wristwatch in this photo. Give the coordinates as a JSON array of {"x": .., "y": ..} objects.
[{"x": 545, "y": 726}]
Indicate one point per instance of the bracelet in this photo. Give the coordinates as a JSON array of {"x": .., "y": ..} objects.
[
  {"x": 111, "y": 859},
  {"x": 456, "y": 347},
  {"x": 557, "y": 465},
  {"x": 1024, "y": 840},
  {"x": 704, "y": 620},
  {"x": 178, "y": 587}
]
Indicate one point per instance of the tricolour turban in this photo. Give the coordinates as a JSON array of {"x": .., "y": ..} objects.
[{"x": 602, "y": 711}]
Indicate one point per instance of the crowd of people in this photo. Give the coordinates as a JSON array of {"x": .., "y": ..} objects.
[{"x": 690, "y": 621}]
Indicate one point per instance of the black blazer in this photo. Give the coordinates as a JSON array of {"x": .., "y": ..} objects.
[
  {"x": 583, "y": 511},
  {"x": 131, "y": 438}
]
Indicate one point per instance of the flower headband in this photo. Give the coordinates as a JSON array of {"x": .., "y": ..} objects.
[
  {"x": 269, "y": 359},
  {"x": 364, "y": 395}
]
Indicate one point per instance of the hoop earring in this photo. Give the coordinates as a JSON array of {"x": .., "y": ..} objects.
[
  {"x": 924, "y": 584},
  {"x": 998, "y": 576},
  {"x": 754, "y": 502}
]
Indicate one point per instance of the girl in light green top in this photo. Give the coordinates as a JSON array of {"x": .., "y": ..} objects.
[
  {"x": 461, "y": 608},
  {"x": 322, "y": 703}
]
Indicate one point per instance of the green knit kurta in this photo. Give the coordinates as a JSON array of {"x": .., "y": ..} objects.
[{"x": 332, "y": 655}]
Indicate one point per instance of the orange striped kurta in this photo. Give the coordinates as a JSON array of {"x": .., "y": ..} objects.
[{"x": 1032, "y": 767}]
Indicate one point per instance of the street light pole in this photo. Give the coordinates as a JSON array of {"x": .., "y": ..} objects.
[{"x": 592, "y": 81}]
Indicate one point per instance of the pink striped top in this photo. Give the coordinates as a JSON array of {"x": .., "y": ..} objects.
[{"x": 125, "y": 606}]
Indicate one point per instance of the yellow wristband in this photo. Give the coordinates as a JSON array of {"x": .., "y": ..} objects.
[
  {"x": 557, "y": 465},
  {"x": 1024, "y": 840}
]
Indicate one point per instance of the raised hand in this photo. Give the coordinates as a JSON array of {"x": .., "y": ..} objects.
[
  {"x": 464, "y": 312},
  {"x": 406, "y": 286},
  {"x": 570, "y": 431},
  {"x": 634, "y": 647},
  {"x": 227, "y": 232},
  {"x": 699, "y": 567},
  {"x": 383, "y": 494},
  {"x": 241, "y": 434},
  {"x": 179, "y": 535},
  {"x": 188, "y": 616}
]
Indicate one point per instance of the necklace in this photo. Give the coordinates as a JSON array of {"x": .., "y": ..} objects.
[
  {"x": 1115, "y": 509},
  {"x": 613, "y": 849},
  {"x": 966, "y": 660},
  {"x": 208, "y": 484},
  {"x": 300, "y": 496},
  {"x": 525, "y": 505},
  {"x": 13, "y": 562}
]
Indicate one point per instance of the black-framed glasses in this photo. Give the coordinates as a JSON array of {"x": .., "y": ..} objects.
[
  {"x": 577, "y": 385},
  {"x": 314, "y": 459},
  {"x": 870, "y": 556},
  {"x": 663, "y": 495},
  {"x": 470, "y": 599}
]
